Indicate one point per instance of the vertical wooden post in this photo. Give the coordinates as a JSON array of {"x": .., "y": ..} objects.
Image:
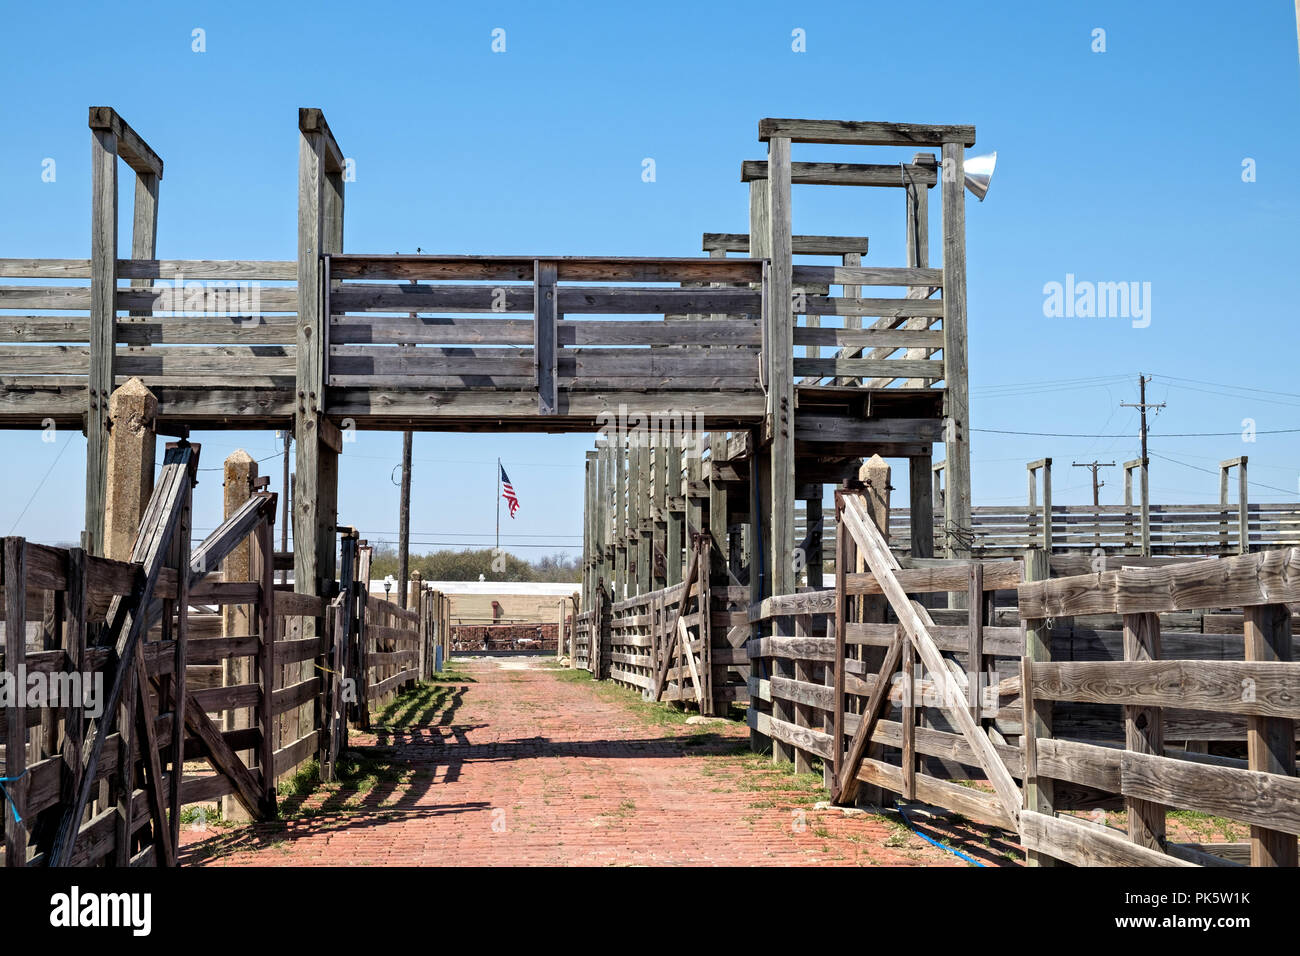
[
  {"x": 15, "y": 772},
  {"x": 957, "y": 504},
  {"x": 1143, "y": 731},
  {"x": 659, "y": 510},
  {"x": 719, "y": 559},
  {"x": 1243, "y": 504},
  {"x": 844, "y": 559},
  {"x": 676, "y": 515},
  {"x": 262, "y": 568},
  {"x": 975, "y": 662},
  {"x": 645, "y": 518},
  {"x": 545, "y": 336},
  {"x": 320, "y": 230},
  {"x": 1270, "y": 741},
  {"x": 103, "y": 329},
  {"x": 1039, "y": 792},
  {"x": 780, "y": 342},
  {"x": 179, "y": 680},
  {"x": 921, "y": 505},
  {"x": 237, "y": 620},
  {"x": 815, "y": 528},
  {"x": 618, "y": 448}
]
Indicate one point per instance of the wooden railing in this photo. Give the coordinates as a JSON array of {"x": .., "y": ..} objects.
[
  {"x": 1176, "y": 530},
  {"x": 445, "y": 322},
  {"x": 1260, "y": 689},
  {"x": 72, "y": 792},
  {"x": 180, "y": 324},
  {"x": 1025, "y": 718}
]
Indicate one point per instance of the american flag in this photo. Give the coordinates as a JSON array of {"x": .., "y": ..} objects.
[{"x": 508, "y": 492}]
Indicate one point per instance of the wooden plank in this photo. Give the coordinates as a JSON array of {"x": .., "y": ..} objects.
[
  {"x": 844, "y": 174},
  {"x": 1084, "y": 845},
  {"x": 161, "y": 827},
  {"x": 1214, "y": 686},
  {"x": 103, "y": 285},
  {"x": 1269, "y": 577},
  {"x": 130, "y": 144},
  {"x": 853, "y": 133}
]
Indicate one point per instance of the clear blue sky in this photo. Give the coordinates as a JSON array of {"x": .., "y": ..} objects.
[{"x": 1116, "y": 166}]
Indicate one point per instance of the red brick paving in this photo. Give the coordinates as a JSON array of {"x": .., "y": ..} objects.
[{"x": 521, "y": 768}]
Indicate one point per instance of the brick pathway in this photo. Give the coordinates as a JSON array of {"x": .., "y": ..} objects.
[{"x": 517, "y": 766}]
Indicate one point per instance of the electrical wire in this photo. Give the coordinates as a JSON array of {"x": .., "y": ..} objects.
[{"x": 41, "y": 484}]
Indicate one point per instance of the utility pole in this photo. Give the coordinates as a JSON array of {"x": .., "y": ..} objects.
[
  {"x": 1095, "y": 465},
  {"x": 1142, "y": 406}
]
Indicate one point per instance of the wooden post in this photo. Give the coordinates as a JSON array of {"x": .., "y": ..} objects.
[
  {"x": 1243, "y": 506},
  {"x": 659, "y": 511},
  {"x": 957, "y": 504},
  {"x": 17, "y": 782},
  {"x": 237, "y": 620},
  {"x": 103, "y": 329},
  {"x": 844, "y": 559},
  {"x": 676, "y": 515},
  {"x": 645, "y": 518},
  {"x": 1270, "y": 741},
  {"x": 1144, "y": 534},
  {"x": 719, "y": 558},
  {"x": 780, "y": 343},
  {"x": 875, "y": 475},
  {"x": 545, "y": 336},
  {"x": 1143, "y": 731},
  {"x": 618, "y": 449},
  {"x": 262, "y": 570},
  {"x": 320, "y": 230},
  {"x": 921, "y": 505},
  {"x": 131, "y": 448},
  {"x": 1039, "y": 792}
]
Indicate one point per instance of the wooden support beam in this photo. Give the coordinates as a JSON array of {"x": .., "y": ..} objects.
[
  {"x": 1037, "y": 719},
  {"x": 957, "y": 503},
  {"x": 545, "y": 336},
  {"x": 130, "y": 145},
  {"x": 1143, "y": 731},
  {"x": 1270, "y": 741},
  {"x": 780, "y": 344},
  {"x": 17, "y": 783},
  {"x": 847, "y": 174},
  {"x": 850, "y": 133},
  {"x": 103, "y": 329}
]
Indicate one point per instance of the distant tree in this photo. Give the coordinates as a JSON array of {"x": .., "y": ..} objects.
[{"x": 467, "y": 564}]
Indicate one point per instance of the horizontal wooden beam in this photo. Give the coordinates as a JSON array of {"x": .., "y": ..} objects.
[
  {"x": 130, "y": 145},
  {"x": 847, "y": 174},
  {"x": 312, "y": 120},
  {"x": 851, "y": 133},
  {"x": 1268, "y": 577},
  {"x": 801, "y": 245}
]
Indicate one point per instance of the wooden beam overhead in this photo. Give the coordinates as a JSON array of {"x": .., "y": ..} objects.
[
  {"x": 849, "y": 174},
  {"x": 802, "y": 245},
  {"x": 130, "y": 145},
  {"x": 312, "y": 120},
  {"x": 853, "y": 133}
]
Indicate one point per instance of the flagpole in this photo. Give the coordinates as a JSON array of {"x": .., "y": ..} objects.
[{"x": 498, "y": 551}]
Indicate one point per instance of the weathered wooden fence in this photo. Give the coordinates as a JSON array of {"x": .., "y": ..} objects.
[
  {"x": 1025, "y": 717},
  {"x": 99, "y": 718},
  {"x": 1254, "y": 691}
]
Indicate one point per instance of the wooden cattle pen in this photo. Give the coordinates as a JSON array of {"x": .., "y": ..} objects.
[
  {"x": 729, "y": 392},
  {"x": 99, "y": 766}
]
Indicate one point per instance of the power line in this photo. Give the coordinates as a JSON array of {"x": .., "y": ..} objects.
[
  {"x": 41, "y": 484},
  {"x": 1004, "y": 431},
  {"x": 1211, "y": 471}
]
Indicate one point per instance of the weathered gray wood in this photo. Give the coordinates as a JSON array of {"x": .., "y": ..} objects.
[
  {"x": 1270, "y": 741},
  {"x": 103, "y": 317},
  {"x": 1143, "y": 731},
  {"x": 1083, "y": 845},
  {"x": 545, "y": 336},
  {"x": 852, "y": 133},
  {"x": 957, "y": 503},
  {"x": 780, "y": 384},
  {"x": 846, "y": 174}
]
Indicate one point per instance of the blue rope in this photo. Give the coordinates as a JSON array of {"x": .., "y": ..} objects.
[
  {"x": 8, "y": 799},
  {"x": 899, "y": 807}
]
